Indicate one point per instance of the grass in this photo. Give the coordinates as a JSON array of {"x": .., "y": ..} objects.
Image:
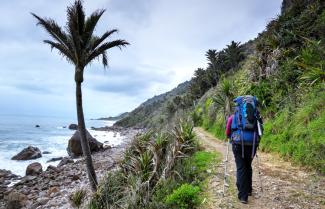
[
  {"x": 78, "y": 197},
  {"x": 299, "y": 135},
  {"x": 296, "y": 133},
  {"x": 202, "y": 160}
]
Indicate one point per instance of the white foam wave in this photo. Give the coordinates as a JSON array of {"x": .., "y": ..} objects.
[{"x": 56, "y": 145}]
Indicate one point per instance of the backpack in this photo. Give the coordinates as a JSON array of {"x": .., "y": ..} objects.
[{"x": 244, "y": 123}]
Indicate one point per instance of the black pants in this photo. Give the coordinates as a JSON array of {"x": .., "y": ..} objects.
[{"x": 244, "y": 169}]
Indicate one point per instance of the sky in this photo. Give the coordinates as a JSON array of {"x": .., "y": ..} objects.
[{"x": 168, "y": 40}]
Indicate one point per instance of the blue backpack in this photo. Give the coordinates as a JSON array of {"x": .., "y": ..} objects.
[{"x": 244, "y": 123}]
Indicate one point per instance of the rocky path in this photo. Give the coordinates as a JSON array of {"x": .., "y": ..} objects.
[{"x": 284, "y": 186}]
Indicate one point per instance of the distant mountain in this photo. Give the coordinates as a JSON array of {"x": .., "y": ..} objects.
[
  {"x": 114, "y": 118},
  {"x": 153, "y": 111}
]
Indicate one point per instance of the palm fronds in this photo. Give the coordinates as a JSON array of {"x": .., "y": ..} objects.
[{"x": 77, "y": 42}]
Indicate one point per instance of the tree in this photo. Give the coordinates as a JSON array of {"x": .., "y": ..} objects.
[
  {"x": 211, "y": 56},
  {"x": 78, "y": 44},
  {"x": 200, "y": 83},
  {"x": 212, "y": 70},
  {"x": 234, "y": 54},
  {"x": 224, "y": 96}
]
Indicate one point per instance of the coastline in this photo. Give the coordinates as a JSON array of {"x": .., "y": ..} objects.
[{"x": 52, "y": 188}]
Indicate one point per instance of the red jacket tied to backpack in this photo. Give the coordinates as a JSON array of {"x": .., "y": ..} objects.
[{"x": 228, "y": 126}]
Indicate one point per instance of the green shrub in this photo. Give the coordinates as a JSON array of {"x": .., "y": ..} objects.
[
  {"x": 162, "y": 190},
  {"x": 109, "y": 194},
  {"x": 196, "y": 116},
  {"x": 78, "y": 197},
  {"x": 218, "y": 128},
  {"x": 184, "y": 197},
  {"x": 299, "y": 134}
]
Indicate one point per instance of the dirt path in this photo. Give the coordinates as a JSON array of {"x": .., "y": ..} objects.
[{"x": 284, "y": 186}]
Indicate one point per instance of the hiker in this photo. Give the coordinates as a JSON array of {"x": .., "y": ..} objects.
[{"x": 243, "y": 130}]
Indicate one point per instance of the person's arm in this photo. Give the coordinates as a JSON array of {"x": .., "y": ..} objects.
[{"x": 228, "y": 126}]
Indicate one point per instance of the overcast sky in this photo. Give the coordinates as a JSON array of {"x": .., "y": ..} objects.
[{"x": 168, "y": 41}]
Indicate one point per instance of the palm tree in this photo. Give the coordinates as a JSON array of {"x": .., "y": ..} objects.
[
  {"x": 78, "y": 44},
  {"x": 224, "y": 96},
  {"x": 200, "y": 83},
  {"x": 212, "y": 71},
  {"x": 211, "y": 56},
  {"x": 234, "y": 54}
]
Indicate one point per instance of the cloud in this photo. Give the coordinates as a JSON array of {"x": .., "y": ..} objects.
[
  {"x": 32, "y": 88},
  {"x": 168, "y": 41},
  {"x": 130, "y": 82}
]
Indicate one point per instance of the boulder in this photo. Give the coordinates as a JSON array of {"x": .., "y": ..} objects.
[
  {"x": 34, "y": 169},
  {"x": 46, "y": 152},
  {"x": 28, "y": 153},
  {"x": 65, "y": 161},
  {"x": 5, "y": 178},
  {"x": 7, "y": 174},
  {"x": 16, "y": 200},
  {"x": 52, "y": 168},
  {"x": 107, "y": 146},
  {"x": 54, "y": 159},
  {"x": 74, "y": 146},
  {"x": 73, "y": 126}
]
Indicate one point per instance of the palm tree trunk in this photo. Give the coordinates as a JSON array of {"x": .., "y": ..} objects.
[{"x": 84, "y": 142}]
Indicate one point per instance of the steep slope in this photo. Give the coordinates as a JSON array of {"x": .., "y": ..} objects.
[
  {"x": 283, "y": 67},
  {"x": 287, "y": 74},
  {"x": 153, "y": 111}
]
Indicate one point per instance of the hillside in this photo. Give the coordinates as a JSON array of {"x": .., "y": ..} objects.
[
  {"x": 283, "y": 67},
  {"x": 286, "y": 73},
  {"x": 154, "y": 111},
  {"x": 182, "y": 167},
  {"x": 115, "y": 118}
]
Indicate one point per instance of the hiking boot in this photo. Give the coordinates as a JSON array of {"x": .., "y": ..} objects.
[{"x": 243, "y": 200}]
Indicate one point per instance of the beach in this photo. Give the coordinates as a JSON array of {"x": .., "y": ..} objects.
[{"x": 59, "y": 179}]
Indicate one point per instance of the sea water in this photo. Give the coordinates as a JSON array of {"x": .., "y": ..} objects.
[{"x": 19, "y": 132}]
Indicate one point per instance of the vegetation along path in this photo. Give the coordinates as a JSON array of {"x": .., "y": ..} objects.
[{"x": 284, "y": 186}]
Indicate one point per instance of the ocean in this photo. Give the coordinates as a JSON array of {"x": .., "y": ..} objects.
[{"x": 18, "y": 132}]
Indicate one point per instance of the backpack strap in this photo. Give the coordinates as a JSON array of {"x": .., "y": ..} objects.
[
  {"x": 254, "y": 140},
  {"x": 242, "y": 143}
]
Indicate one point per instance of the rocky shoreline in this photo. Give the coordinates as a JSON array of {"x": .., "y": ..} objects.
[{"x": 53, "y": 187}]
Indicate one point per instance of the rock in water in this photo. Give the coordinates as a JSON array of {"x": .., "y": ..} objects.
[
  {"x": 28, "y": 153},
  {"x": 73, "y": 126},
  {"x": 65, "y": 161},
  {"x": 74, "y": 146},
  {"x": 34, "y": 169},
  {"x": 54, "y": 159}
]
